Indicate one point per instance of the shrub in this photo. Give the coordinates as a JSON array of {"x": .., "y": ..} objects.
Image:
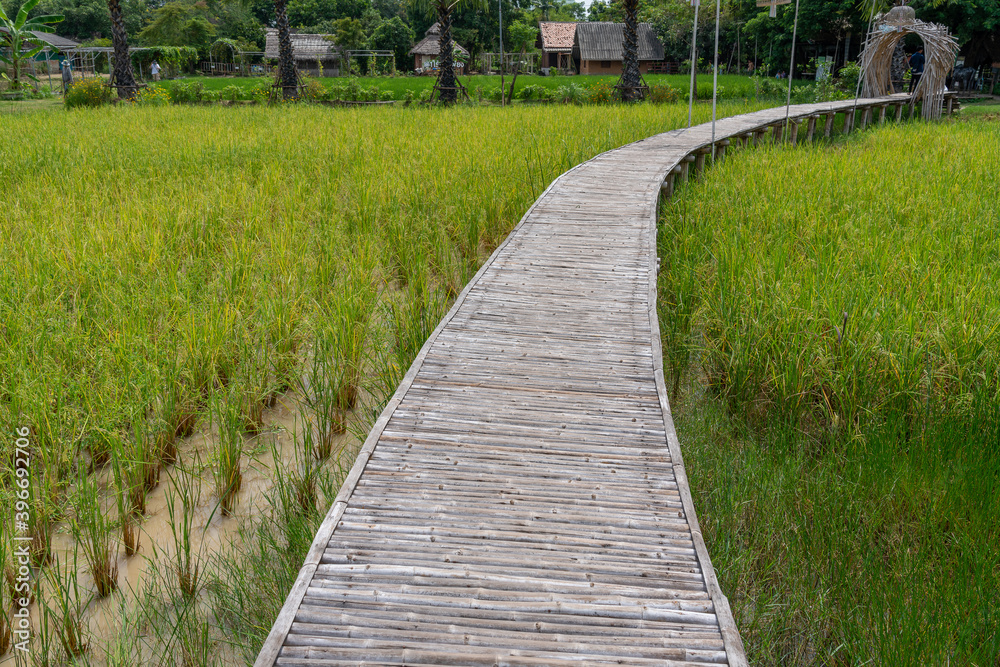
[
  {"x": 261, "y": 92},
  {"x": 602, "y": 93},
  {"x": 313, "y": 90},
  {"x": 232, "y": 93},
  {"x": 571, "y": 94},
  {"x": 88, "y": 93},
  {"x": 153, "y": 96},
  {"x": 662, "y": 93},
  {"x": 532, "y": 92},
  {"x": 386, "y": 96},
  {"x": 185, "y": 92}
]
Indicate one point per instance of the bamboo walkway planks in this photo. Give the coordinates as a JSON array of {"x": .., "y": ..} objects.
[{"x": 522, "y": 499}]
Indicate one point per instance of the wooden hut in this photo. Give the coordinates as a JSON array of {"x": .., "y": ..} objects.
[
  {"x": 315, "y": 55},
  {"x": 555, "y": 39},
  {"x": 428, "y": 50},
  {"x": 597, "y": 47}
]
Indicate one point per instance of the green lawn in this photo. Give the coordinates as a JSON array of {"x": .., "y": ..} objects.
[{"x": 731, "y": 86}]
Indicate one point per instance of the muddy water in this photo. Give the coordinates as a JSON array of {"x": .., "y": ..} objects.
[{"x": 213, "y": 534}]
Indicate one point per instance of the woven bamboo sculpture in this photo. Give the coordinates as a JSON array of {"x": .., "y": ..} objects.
[{"x": 940, "y": 49}]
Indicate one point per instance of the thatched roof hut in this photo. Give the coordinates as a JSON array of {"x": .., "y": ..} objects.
[
  {"x": 598, "y": 47},
  {"x": 304, "y": 46},
  {"x": 429, "y": 48},
  {"x": 556, "y": 39}
]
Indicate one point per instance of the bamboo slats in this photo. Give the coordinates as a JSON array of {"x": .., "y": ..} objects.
[{"x": 522, "y": 500}]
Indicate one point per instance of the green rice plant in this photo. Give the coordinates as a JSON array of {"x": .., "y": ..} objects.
[
  {"x": 43, "y": 516},
  {"x": 827, "y": 322},
  {"x": 63, "y": 608},
  {"x": 228, "y": 455},
  {"x": 124, "y": 648},
  {"x": 185, "y": 490},
  {"x": 129, "y": 514},
  {"x": 93, "y": 531},
  {"x": 144, "y": 453}
]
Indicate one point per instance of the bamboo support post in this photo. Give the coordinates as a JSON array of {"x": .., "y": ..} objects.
[
  {"x": 758, "y": 135},
  {"x": 720, "y": 149},
  {"x": 793, "y": 130},
  {"x": 777, "y": 130},
  {"x": 828, "y": 129},
  {"x": 849, "y": 118},
  {"x": 866, "y": 113},
  {"x": 685, "y": 167},
  {"x": 811, "y": 127},
  {"x": 667, "y": 187},
  {"x": 699, "y": 161},
  {"x": 899, "y": 112},
  {"x": 881, "y": 113}
]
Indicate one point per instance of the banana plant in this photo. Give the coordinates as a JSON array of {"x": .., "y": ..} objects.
[{"x": 18, "y": 35}]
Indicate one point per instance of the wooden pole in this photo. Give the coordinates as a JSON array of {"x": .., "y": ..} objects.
[
  {"x": 791, "y": 65},
  {"x": 694, "y": 60},
  {"x": 715, "y": 72}
]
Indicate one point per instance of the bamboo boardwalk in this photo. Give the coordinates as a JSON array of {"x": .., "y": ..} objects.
[{"x": 522, "y": 499}]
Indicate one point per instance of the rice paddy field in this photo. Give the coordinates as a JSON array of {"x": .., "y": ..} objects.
[
  {"x": 832, "y": 325},
  {"x": 201, "y": 309}
]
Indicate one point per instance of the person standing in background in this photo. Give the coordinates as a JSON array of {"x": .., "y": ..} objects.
[
  {"x": 155, "y": 70},
  {"x": 916, "y": 68}
]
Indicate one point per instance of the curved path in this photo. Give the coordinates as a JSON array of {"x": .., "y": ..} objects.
[{"x": 522, "y": 499}]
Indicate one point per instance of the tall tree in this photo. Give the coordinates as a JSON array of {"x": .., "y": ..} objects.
[
  {"x": 17, "y": 36},
  {"x": 629, "y": 84},
  {"x": 122, "y": 76},
  {"x": 446, "y": 82},
  {"x": 286, "y": 58}
]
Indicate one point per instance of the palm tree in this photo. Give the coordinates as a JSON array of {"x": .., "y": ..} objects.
[
  {"x": 122, "y": 75},
  {"x": 629, "y": 83},
  {"x": 286, "y": 57},
  {"x": 16, "y": 35},
  {"x": 446, "y": 56}
]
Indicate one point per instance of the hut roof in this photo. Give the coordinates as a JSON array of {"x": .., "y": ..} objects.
[
  {"x": 603, "y": 41},
  {"x": 555, "y": 37},
  {"x": 304, "y": 46},
  {"x": 430, "y": 45},
  {"x": 57, "y": 42}
]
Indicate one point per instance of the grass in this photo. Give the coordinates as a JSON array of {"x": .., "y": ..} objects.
[
  {"x": 167, "y": 265},
  {"x": 830, "y": 317}
]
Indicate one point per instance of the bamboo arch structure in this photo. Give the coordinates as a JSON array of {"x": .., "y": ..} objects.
[{"x": 940, "y": 47}]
